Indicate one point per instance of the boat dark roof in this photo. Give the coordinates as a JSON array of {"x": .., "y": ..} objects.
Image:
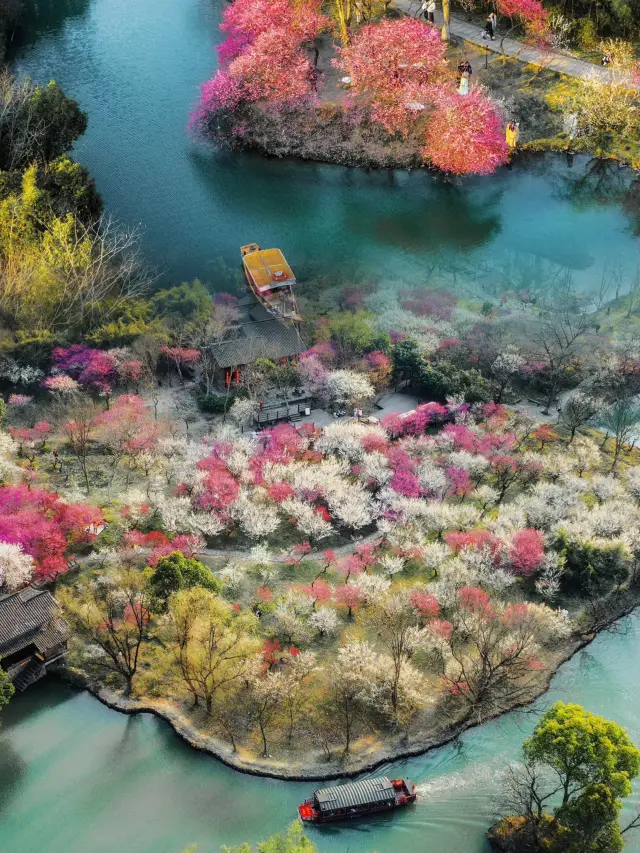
[
  {"x": 272, "y": 339},
  {"x": 30, "y": 617},
  {"x": 366, "y": 792}
]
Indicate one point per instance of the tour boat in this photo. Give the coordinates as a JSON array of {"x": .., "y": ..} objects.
[
  {"x": 271, "y": 280},
  {"x": 357, "y": 799}
]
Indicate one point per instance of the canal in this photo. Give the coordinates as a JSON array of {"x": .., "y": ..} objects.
[{"x": 78, "y": 777}]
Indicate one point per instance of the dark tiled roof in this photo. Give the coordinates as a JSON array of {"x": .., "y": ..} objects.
[
  {"x": 368, "y": 791},
  {"x": 271, "y": 339},
  {"x": 30, "y": 616}
]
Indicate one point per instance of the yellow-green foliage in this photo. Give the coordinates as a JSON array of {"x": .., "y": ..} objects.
[{"x": 608, "y": 115}]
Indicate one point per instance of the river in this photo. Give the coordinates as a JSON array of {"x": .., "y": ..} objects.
[
  {"x": 135, "y": 66},
  {"x": 77, "y": 777}
]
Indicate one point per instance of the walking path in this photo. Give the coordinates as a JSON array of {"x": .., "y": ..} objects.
[
  {"x": 510, "y": 47},
  {"x": 340, "y": 551}
]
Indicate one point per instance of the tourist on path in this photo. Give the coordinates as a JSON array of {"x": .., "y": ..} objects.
[
  {"x": 431, "y": 11},
  {"x": 464, "y": 65},
  {"x": 512, "y": 134},
  {"x": 463, "y": 88},
  {"x": 488, "y": 28}
]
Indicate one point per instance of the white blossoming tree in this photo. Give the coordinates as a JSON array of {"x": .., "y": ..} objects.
[{"x": 16, "y": 567}]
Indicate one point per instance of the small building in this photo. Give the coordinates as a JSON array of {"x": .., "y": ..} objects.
[
  {"x": 261, "y": 337},
  {"x": 33, "y": 635}
]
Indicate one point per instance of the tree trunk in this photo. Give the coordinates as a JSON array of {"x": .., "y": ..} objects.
[
  {"x": 347, "y": 726},
  {"x": 83, "y": 463},
  {"x": 446, "y": 12},
  {"x": 616, "y": 453},
  {"x": 264, "y": 738}
]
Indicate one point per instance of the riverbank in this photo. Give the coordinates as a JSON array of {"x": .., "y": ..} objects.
[
  {"x": 324, "y": 135},
  {"x": 550, "y": 95},
  {"x": 529, "y": 95},
  {"x": 309, "y": 767}
]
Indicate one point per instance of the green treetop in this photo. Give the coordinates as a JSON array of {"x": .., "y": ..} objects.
[
  {"x": 176, "y": 572},
  {"x": 292, "y": 841},
  {"x": 567, "y": 794},
  {"x": 583, "y": 749}
]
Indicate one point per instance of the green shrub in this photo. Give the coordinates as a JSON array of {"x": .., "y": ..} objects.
[
  {"x": 587, "y": 34},
  {"x": 214, "y": 404},
  {"x": 591, "y": 569},
  {"x": 175, "y": 572},
  {"x": 217, "y": 404}
]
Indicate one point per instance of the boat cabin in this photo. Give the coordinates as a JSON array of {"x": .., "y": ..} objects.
[
  {"x": 356, "y": 799},
  {"x": 271, "y": 279}
]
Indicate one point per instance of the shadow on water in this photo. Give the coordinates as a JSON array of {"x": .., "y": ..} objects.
[
  {"x": 40, "y": 698},
  {"x": 601, "y": 182},
  {"x": 369, "y": 825},
  {"x": 12, "y": 769},
  {"x": 448, "y": 216},
  {"x": 46, "y": 16},
  {"x": 631, "y": 205}
]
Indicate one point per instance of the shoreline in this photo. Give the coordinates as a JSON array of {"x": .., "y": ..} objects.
[
  {"x": 333, "y": 770},
  {"x": 313, "y": 145}
]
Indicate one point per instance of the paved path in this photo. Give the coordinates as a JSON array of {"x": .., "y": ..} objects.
[
  {"x": 510, "y": 47},
  {"x": 340, "y": 551}
]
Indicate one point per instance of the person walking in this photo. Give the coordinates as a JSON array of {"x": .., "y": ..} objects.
[
  {"x": 431, "y": 11},
  {"x": 488, "y": 28},
  {"x": 463, "y": 88},
  {"x": 494, "y": 24}
]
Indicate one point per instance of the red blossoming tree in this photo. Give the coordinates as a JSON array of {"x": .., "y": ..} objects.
[
  {"x": 348, "y": 596},
  {"x": 395, "y": 65},
  {"x": 398, "y": 68},
  {"x": 465, "y": 134},
  {"x": 526, "y": 553},
  {"x": 44, "y": 526}
]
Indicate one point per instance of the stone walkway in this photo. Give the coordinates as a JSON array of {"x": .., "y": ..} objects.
[
  {"x": 510, "y": 47},
  {"x": 339, "y": 551}
]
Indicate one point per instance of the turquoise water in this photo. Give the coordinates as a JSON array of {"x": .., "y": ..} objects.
[
  {"x": 135, "y": 66},
  {"x": 77, "y": 777}
]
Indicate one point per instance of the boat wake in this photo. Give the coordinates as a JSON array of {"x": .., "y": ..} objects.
[{"x": 478, "y": 779}]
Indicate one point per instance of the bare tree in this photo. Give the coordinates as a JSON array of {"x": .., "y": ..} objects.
[
  {"x": 81, "y": 274},
  {"x": 578, "y": 411},
  {"x": 210, "y": 648},
  {"x": 111, "y": 614},
  {"x": 556, "y": 341},
  {"x": 632, "y": 295},
  {"x": 396, "y": 625},
  {"x": 489, "y": 660},
  {"x": 267, "y": 695},
  {"x": 78, "y": 428},
  {"x": 21, "y": 128}
]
